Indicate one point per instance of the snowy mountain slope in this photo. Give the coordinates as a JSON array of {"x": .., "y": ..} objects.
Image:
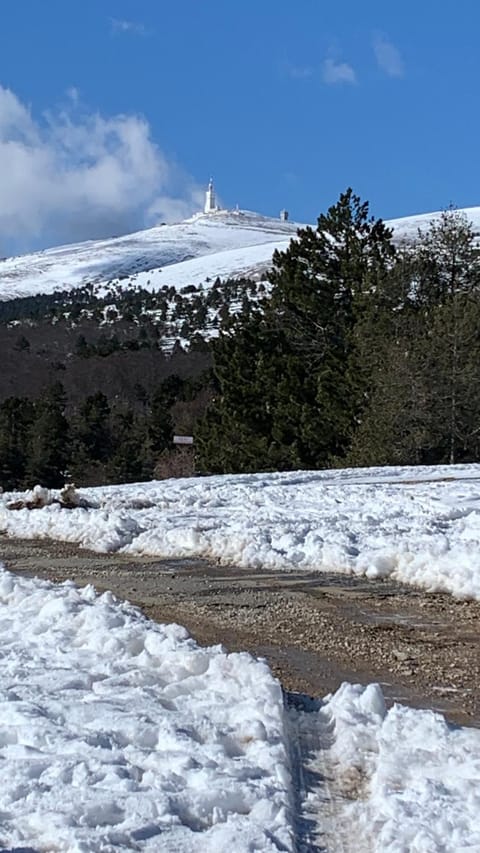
[
  {"x": 249, "y": 238},
  {"x": 248, "y": 262},
  {"x": 225, "y": 244},
  {"x": 407, "y": 228}
]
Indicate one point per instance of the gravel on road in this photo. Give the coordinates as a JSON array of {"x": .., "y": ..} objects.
[{"x": 315, "y": 630}]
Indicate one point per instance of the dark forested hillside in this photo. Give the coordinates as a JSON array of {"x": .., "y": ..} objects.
[
  {"x": 110, "y": 341},
  {"x": 138, "y": 363}
]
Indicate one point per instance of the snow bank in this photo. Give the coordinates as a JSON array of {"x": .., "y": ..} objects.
[
  {"x": 117, "y": 733},
  {"x": 415, "y": 779},
  {"x": 419, "y": 525}
]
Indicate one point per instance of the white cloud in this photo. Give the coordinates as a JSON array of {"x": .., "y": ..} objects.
[
  {"x": 388, "y": 56},
  {"x": 298, "y": 72},
  {"x": 73, "y": 94},
  {"x": 73, "y": 176},
  {"x": 120, "y": 25},
  {"x": 338, "y": 72}
]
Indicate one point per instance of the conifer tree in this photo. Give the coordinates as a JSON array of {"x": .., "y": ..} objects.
[
  {"x": 16, "y": 416},
  {"x": 49, "y": 440},
  {"x": 448, "y": 283},
  {"x": 127, "y": 462},
  {"x": 422, "y": 343},
  {"x": 160, "y": 424},
  {"x": 288, "y": 394},
  {"x": 236, "y": 433},
  {"x": 93, "y": 428}
]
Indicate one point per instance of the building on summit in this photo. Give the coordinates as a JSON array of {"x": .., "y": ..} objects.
[{"x": 211, "y": 205}]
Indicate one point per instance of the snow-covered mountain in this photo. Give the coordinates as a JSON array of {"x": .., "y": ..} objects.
[
  {"x": 225, "y": 243},
  {"x": 407, "y": 228}
]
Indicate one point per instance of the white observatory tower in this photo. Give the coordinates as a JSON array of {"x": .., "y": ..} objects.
[{"x": 210, "y": 200}]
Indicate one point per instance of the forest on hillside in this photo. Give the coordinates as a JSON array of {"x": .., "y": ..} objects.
[
  {"x": 100, "y": 381},
  {"x": 365, "y": 353},
  {"x": 359, "y": 351}
]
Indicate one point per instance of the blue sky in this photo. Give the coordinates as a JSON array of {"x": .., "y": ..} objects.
[{"x": 114, "y": 113}]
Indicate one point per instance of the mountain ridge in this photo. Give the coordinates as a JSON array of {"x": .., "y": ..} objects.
[
  {"x": 230, "y": 244},
  {"x": 251, "y": 238}
]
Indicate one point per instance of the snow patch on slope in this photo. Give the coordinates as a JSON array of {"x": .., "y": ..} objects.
[{"x": 406, "y": 228}]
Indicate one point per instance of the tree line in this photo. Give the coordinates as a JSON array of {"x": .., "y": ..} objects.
[
  {"x": 158, "y": 315},
  {"x": 100, "y": 441},
  {"x": 366, "y": 352}
]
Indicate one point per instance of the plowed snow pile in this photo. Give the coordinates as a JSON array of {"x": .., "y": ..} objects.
[
  {"x": 120, "y": 734},
  {"x": 419, "y": 525}
]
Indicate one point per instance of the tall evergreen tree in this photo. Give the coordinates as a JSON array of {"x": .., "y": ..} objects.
[
  {"x": 128, "y": 462},
  {"x": 237, "y": 431},
  {"x": 448, "y": 283},
  {"x": 423, "y": 344},
  {"x": 288, "y": 392},
  {"x": 16, "y": 416},
  {"x": 92, "y": 441},
  {"x": 93, "y": 428},
  {"x": 49, "y": 440},
  {"x": 160, "y": 424}
]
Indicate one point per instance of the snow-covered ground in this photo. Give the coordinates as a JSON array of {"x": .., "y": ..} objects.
[
  {"x": 120, "y": 734},
  {"x": 418, "y": 525},
  {"x": 407, "y": 228},
  {"x": 399, "y": 781},
  {"x": 226, "y": 244}
]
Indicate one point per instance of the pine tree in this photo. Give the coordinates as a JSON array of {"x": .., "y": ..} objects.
[
  {"x": 128, "y": 461},
  {"x": 448, "y": 281},
  {"x": 49, "y": 440},
  {"x": 236, "y": 433},
  {"x": 93, "y": 432},
  {"x": 16, "y": 416},
  {"x": 160, "y": 424},
  {"x": 288, "y": 394},
  {"x": 420, "y": 340},
  {"x": 394, "y": 426}
]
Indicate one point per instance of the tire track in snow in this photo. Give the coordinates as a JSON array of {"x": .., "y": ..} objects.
[{"x": 321, "y": 822}]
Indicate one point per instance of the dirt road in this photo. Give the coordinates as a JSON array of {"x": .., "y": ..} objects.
[{"x": 315, "y": 630}]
